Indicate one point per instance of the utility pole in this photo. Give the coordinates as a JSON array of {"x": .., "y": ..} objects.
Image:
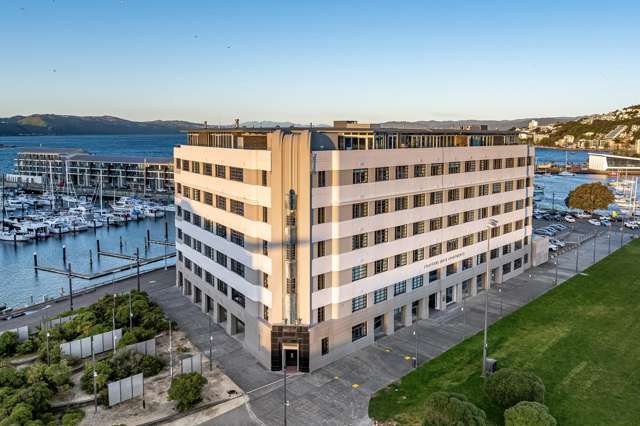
[
  {"x": 210, "y": 346},
  {"x": 577, "y": 255},
  {"x": 490, "y": 225},
  {"x": 70, "y": 288},
  {"x": 595, "y": 237},
  {"x": 284, "y": 372},
  {"x": 415, "y": 359},
  {"x": 130, "y": 312},
  {"x": 138, "y": 267},
  {"x": 170, "y": 352},
  {"x": 113, "y": 323},
  {"x": 557, "y": 261},
  {"x": 95, "y": 375}
]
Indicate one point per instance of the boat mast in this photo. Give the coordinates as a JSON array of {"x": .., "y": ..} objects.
[{"x": 100, "y": 191}]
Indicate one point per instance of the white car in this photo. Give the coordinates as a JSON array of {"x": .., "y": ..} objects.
[
  {"x": 557, "y": 242},
  {"x": 605, "y": 223},
  {"x": 583, "y": 215},
  {"x": 553, "y": 247},
  {"x": 595, "y": 222},
  {"x": 569, "y": 218},
  {"x": 631, "y": 225},
  {"x": 607, "y": 218}
]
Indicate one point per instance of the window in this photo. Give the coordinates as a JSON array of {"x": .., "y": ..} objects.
[
  {"x": 221, "y": 231},
  {"x": 454, "y": 167},
  {"x": 265, "y": 280},
  {"x": 517, "y": 264},
  {"x": 195, "y": 167},
  {"x": 418, "y": 254},
  {"x": 419, "y": 200},
  {"x": 495, "y": 232},
  {"x": 359, "y": 210},
  {"x": 186, "y": 215},
  {"x": 264, "y": 180},
  {"x": 321, "y": 249},
  {"x": 506, "y": 249},
  {"x": 185, "y": 165},
  {"x": 400, "y": 260},
  {"x": 265, "y": 313},
  {"x": 380, "y": 266},
  {"x": 520, "y": 184},
  {"x": 435, "y": 197},
  {"x": 400, "y": 232},
  {"x": 358, "y": 241},
  {"x": 434, "y": 275},
  {"x": 497, "y": 163},
  {"x": 358, "y": 303},
  {"x": 381, "y": 236},
  {"x": 222, "y": 287},
  {"x": 435, "y": 249},
  {"x": 483, "y": 190},
  {"x": 453, "y": 219},
  {"x": 221, "y": 171},
  {"x": 517, "y": 245},
  {"x": 417, "y": 281},
  {"x": 508, "y": 227},
  {"x": 484, "y": 165},
  {"x": 453, "y": 194},
  {"x": 494, "y": 253},
  {"x": 467, "y": 240},
  {"x": 508, "y": 186},
  {"x": 496, "y": 188},
  {"x": 237, "y": 297},
  {"x": 178, "y": 163},
  {"x": 381, "y": 206},
  {"x": 526, "y": 258},
  {"x": 358, "y": 331},
  {"x": 207, "y": 169},
  {"x": 402, "y": 203},
  {"x": 402, "y": 172},
  {"x": 208, "y": 198},
  {"x": 221, "y": 202},
  {"x": 467, "y": 263},
  {"x": 322, "y": 179},
  {"x": 448, "y": 295},
  {"x": 265, "y": 214},
  {"x": 360, "y": 176},
  {"x": 419, "y": 170},
  {"x": 380, "y": 295},
  {"x": 452, "y": 244},
  {"x": 506, "y": 268},
  {"x": 468, "y": 216},
  {"x": 324, "y": 343},
  {"x": 509, "y": 163},
  {"x": 469, "y": 192},
  {"x": 418, "y": 227},
  {"x": 483, "y": 213},
  {"x": 358, "y": 272},
  {"x": 522, "y": 161},
  {"x": 437, "y": 169},
  {"x": 237, "y": 267},
  {"x": 237, "y": 207},
  {"x": 208, "y": 277},
  {"x": 399, "y": 288},
  {"x": 237, "y": 238},
  {"x": 452, "y": 268},
  {"x": 481, "y": 258},
  {"x": 236, "y": 173},
  {"x": 321, "y": 282},
  {"x": 321, "y": 215},
  {"x": 435, "y": 224},
  {"x": 495, "y": 210},
  {"x": 382, "y": 174},
  {"x": 221, "y": 259},
  {"x": 469, "y": 166}
]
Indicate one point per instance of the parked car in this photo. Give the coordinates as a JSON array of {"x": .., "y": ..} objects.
[
  {"x": 543, "y": 231},
  {"x": 605, "y": 223},
  {"x": 569, "y": 218},
  {"x": 594, "y": 222},
  {"x": 557, "y": 242},
  {"x": 631, "y": 225},
  {"x": 583, "y": 215},
  {"x": 550, "y": 231},
  {"x": 607, "y": 218},
  {"x": 538, "y": 216},
  {"x": 558, "y": 227},
  {"x": 553, "y": 247}
]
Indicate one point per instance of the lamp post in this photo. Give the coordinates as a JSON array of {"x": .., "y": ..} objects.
[
  {"x": 577, "y": 255},
  {"x": 285, "y": 403},
  {"x": 415, "y": 359},
  {"x": 557, "y": 260},
  {"x": 492, "y": 223},
  {"x": 595, "y": 238}
]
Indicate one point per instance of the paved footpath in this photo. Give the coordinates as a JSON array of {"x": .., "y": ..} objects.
[{"x": 339, "y": 393}]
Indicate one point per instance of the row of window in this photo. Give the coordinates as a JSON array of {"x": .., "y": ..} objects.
[
  {"x": 217, "y": 170},
  {"x": 381, "y": 236},
  {"x": 214, "y": 282}
]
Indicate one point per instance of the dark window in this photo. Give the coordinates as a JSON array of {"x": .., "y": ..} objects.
[
  {"x": 358, "y": 241},
  {"x": 221, "y": 171},
  {"x": 221, "y": 231},
  {"x": 437, "y": 169},
  {"x": 381, "y": 206},
  {"x": 322, "y": 179},
  {"x": 221, "y": 202},
  {"x": 381, "y": 236},
  {"x": 402, "y": 172},
  {"x": 454, "y": 167},
  {"x": 236, "y": 173},
  {"x": 325, "y": 345},
  {"x": 237, "y": 207},
  {"x": 399, "y": 288},
  {"x": 382, "y": 174},
  {"x": 380, "y": 266},
  {"x": 358, "y": 331},
  {"x": 401, "y": 203},
  {"x": 237, "y": 238},
  {"x": 237, "y": 297},
  {"x": 360, "y": 176},
  {"x": 359, "y": 210},
  {"x": 222, "y": 287},
  {"x": 358, "y": 303},
  {"x": 321, "y": 314},
  {"x": 419, "y": 170},
  {"x": 221, "y": 259},
  {"x": 380, "y": 295}
]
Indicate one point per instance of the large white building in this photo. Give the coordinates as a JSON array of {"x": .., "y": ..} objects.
[{"x": 309, "y": 243}]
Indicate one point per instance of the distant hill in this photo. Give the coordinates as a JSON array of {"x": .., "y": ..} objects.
[
  {"x": 493, "y": 124},
  {"x": 52, "y": 124}
]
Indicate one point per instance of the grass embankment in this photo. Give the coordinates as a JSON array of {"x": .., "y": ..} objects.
[{"x": 582, "y": 338}]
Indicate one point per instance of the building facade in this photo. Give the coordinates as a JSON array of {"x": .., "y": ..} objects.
[
  {"x": 310, "y": 243},
  {"x": 57, "y": 167}
]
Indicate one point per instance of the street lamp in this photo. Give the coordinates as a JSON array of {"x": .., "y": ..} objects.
[
  {"x": 492, "y": 223},
  {"x": 415, "y": 359}
]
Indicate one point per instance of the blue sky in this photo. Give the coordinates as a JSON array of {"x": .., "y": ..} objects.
[{"x": 315, "y": 61}]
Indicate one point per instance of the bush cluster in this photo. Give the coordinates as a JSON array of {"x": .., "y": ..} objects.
[
  {"x": 444, "y": 409},
  {"x": 527, "y": 413},
  {"x": 508, "y": 386},
  {"x": 186, "y": 390}
]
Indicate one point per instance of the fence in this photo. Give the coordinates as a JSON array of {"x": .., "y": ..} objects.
[
  {"x": 22, "y": 332},
  {"x": 148, "y": 347},
  {"x": 191, "y": 364},
  {"x": 81, "y": 348},
  {"x": 59, "y": 321},
  {"x": 126, "y": 389}
]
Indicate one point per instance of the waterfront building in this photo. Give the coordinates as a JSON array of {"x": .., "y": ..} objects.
[
  {"x": 57, "y": 167},
  {"x": 310, "y": 243},
  {"x": 608, "y": 163}
]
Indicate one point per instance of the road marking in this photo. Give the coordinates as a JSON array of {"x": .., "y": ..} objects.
[
  {"x": 408, "y": 358},
  {"x": 355, "y": 386},
  {"x": 152, "y": 282}
]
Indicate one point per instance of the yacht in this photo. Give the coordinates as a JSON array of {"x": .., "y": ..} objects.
[
  {"x": 153, "y": 212},
  {"x": 13, "y": 236},
  {"x": 58, "y": 225}
]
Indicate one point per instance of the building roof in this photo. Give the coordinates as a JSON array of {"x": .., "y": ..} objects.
[
  {"x": 122, "y": 159},
  {"x": 265, "y": 130}
]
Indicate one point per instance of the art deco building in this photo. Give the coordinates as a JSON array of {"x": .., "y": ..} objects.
[{"x": 310, "y": 243}]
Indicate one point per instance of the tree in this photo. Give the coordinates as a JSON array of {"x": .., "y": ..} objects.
[
  {"x": 527, "y": 413},
  {"x": 444, "y": 409},
  {"x": 8, "y": 343},
  {"x": 186, "y": 389},
  {"x": 507, "y": 387},
  {"x": 590, "y": 197}
]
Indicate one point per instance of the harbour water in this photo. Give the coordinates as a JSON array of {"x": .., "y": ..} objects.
[{"x": 20, "y": 285}]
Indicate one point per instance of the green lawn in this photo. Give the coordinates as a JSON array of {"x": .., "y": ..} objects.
[{"x": 582, "y": 338}]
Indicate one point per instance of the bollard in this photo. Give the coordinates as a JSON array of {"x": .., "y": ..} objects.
[
  {"x": 120, "y": 243},
  {"x": 90, "y": 258},
  {"x": 98, "y": 247},
  {"x": 148, "y": 237},
  {"x": 107, "y": 222},
  {"x": 35, "y": 261},
  {"x": 64, "y": 254},
  {"x": 166, "y": 230},
  {"x": 70, "y": 289},
  {"x": 15, "y": 239}
]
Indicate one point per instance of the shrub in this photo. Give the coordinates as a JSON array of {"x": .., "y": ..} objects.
[
  {"x": 507, "y": 387},
  {"x": 72, "y": 417},
  {"x": 37, "y": 396},
  {"x": 186, "y": 389},
  {"x": 8, "y": 343},
  {"x": 527, "y": 413},
  {"x": 11, "y": 378},
  {"x": 26, "y": 347},
  {"x": 21, "y": 414},
  {"x": 58, "y": 375},
  {"x": 444, "y": 409}
]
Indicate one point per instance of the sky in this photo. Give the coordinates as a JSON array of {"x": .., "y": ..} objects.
[{"x": 316, "y": 61}]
